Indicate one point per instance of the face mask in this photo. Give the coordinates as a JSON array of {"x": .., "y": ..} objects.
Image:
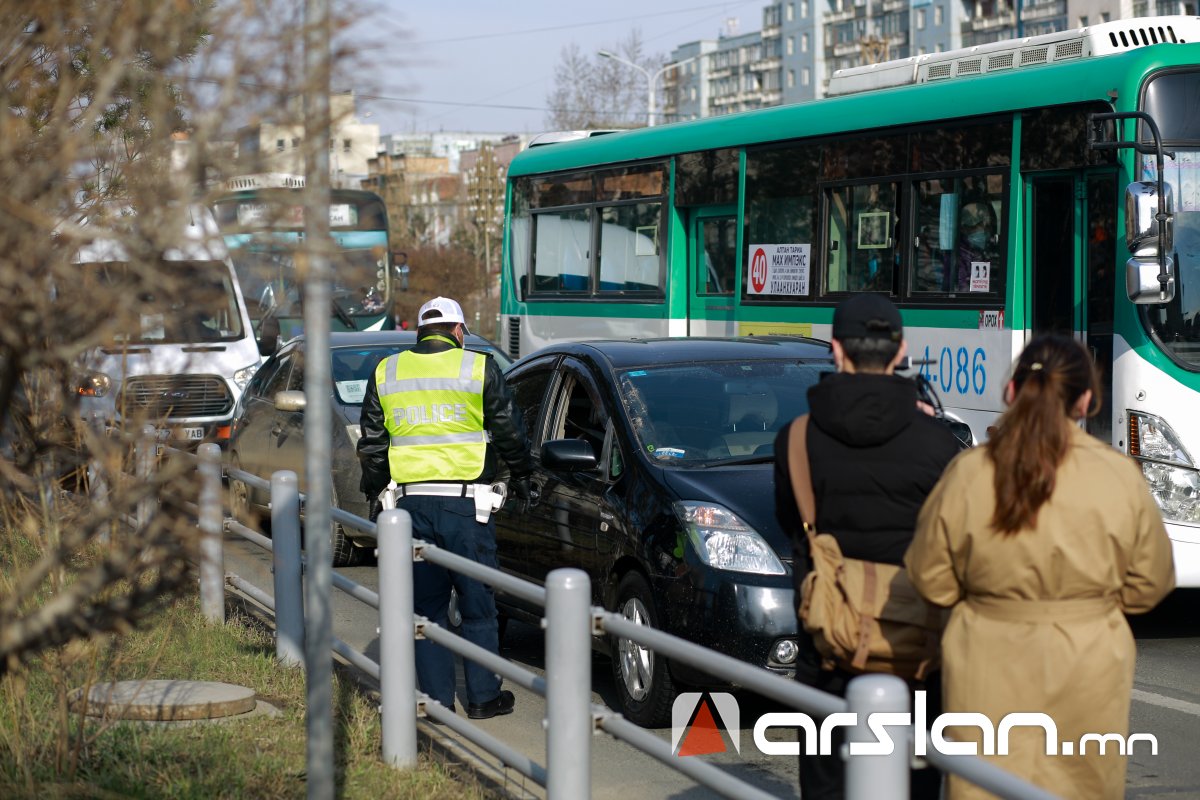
[{"x": 978, "y": 239}]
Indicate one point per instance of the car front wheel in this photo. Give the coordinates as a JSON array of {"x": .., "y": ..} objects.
[{"x": 643, "y": 681}]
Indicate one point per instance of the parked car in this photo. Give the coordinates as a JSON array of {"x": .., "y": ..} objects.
[
  {"x": 655, "y": 476},
  {"x": 268, "y": 429}
]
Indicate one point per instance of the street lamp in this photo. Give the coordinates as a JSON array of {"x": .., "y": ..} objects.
[{"x": 651, "y": 78}]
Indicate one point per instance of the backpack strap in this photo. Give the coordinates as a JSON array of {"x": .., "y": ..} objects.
[
  {"x": 802, "y": 488},
  {"x": 865, "y": 618}
]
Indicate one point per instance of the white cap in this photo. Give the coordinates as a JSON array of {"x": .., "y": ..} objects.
[{"x": 440, "y": 309}]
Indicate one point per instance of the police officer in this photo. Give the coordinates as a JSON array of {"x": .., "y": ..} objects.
[{"x": 433, "y": 420}]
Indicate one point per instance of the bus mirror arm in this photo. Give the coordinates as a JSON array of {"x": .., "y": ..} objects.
[{"x": 1162, "y": 216}]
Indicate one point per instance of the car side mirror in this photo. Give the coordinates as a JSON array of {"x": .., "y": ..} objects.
[
  {"x": 290, "y": 401},
  {"x": 268, "y": 336},
  {"x": 569, "y": 455}
]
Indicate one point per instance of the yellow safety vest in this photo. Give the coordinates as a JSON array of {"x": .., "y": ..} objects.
[{"x": 433, "y": 411}]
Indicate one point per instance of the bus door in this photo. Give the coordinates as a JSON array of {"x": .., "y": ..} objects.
[
  {"x": 1072, "y": 255},
  {"x": 712, "y": 270}
]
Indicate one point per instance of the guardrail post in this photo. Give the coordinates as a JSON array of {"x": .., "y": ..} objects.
[
  {"x": 871, "y": 777},
  {"x": 144, "y": 454},
  {"x": 397, "y": 640},
  {"x": 212, "y": 518},
  {"x": 285, "y": 564},
  {"x": 97, "y": 482},
  {"x": 568, "y": 681}
]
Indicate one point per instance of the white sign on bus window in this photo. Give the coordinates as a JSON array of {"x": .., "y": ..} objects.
[
  {"x": 981, "y": 276},
  {"x": 778, "y": 268}
]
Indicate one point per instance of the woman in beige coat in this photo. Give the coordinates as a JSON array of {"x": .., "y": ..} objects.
[{"x": 1042, "y": 540}]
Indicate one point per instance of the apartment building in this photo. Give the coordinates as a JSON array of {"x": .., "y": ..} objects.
[
  {"x": 801, "y": 43},
  {"x": 277, "y": 145}
]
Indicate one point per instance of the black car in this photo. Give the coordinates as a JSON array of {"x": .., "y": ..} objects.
[
  {"x": 654, "y": 475},
  {"x": 268, "y": 428}
]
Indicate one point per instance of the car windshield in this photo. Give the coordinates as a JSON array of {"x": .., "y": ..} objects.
[
  {"x": 352, "y": 366},
  {"x": 706, "y": 414}
]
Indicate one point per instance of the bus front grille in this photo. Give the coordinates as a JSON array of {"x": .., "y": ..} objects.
[{"x": 177, "y": 395}]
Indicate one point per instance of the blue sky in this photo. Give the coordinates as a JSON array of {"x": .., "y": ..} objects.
[{"x": 487, "y": 65}]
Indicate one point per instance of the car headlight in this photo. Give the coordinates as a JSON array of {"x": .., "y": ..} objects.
[
  {"x": 243, "y": 375},
  {"x": 94, "y": 384},
  {"x": 1167, "y": 466},
  {"x": 724, "y": 541}
]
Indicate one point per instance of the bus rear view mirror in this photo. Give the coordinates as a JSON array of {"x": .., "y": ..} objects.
[
  {"x": 1142, "y": 283},
  {"x": 1141, "y": 219}
]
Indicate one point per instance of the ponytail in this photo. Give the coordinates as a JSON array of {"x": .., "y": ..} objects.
[{"x": 1032, "y": 437}]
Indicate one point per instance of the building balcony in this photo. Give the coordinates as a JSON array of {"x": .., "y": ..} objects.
[
  {"x": 1005, "y": 19},
  {"x": 772, "y": 32},
  {"x": 766, "y": 64},
  {"x": 840, "y": 16},
  {"x": 846, "y": 49},
  {"x": 1044, "y": 10},
  {"x": 894, "y": 5},
  {"x": 720, "y": 72}
]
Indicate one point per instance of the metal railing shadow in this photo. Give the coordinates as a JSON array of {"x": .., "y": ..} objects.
[{"x": 570, "y": 623}]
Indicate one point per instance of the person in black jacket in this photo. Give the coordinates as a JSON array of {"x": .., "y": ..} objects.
[
  {"x": 428, "y": 423},
  {"x": 874, "y": 456}
]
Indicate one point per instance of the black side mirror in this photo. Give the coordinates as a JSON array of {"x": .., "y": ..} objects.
[
  {"x": 268, "y": 336},
  {"x": 569, "y": 455}
]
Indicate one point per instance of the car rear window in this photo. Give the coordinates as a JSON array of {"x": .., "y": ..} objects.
[{"x": 352, "y": 367}]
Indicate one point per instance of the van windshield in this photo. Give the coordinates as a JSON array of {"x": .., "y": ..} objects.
[{"x": 185, "y": 302}]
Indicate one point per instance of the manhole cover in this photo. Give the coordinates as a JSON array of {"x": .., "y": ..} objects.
[{"x": 168, "y": 700}]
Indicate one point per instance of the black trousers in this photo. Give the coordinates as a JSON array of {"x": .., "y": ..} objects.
[{"x": 824, "y": 777}]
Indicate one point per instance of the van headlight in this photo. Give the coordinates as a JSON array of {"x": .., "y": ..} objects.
[
  {"x": 94, "y": 384},
  {"x": 1167, "y": 466},
  {"x": 724, "y": 541},
  {"x": 242, "y": 376}
]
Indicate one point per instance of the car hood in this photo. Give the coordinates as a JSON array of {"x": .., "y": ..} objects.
[{"x": 747, "y": 490}]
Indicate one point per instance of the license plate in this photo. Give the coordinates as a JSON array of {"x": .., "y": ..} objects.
[{"x": 191, "y": 434}]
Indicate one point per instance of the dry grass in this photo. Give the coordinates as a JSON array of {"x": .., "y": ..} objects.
[{"x": 48, "y": 750}]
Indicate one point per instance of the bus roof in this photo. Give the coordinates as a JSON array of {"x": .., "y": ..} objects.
[{"x": 1073, "y": 81}]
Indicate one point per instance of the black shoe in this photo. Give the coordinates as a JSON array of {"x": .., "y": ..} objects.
[{"x": 503, "y": 704}]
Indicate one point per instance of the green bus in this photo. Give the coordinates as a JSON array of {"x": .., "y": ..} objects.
[
  {"x": 261, "y": 217},
  {"x": 994, "y": 193}
]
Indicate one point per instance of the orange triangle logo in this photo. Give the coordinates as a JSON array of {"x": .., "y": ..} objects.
[{"x": 703, "y": 736}]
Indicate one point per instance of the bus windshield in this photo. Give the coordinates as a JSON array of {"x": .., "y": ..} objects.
[
  {"x": 269, "y": 281},
  {"x": 263, "y": 228},
  {"x": 1170, "y": 99}
]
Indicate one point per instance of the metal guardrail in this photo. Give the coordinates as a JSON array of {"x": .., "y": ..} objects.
[{"x": 570, "y": 623}]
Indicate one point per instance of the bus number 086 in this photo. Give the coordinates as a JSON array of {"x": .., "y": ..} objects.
[{"x": 959, "y": 369}]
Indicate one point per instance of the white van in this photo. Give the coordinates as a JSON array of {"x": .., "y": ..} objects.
[{"x": 184, "y": 357}]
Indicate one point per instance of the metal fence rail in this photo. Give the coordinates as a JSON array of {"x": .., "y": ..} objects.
[{"x": 570, "y": 623}]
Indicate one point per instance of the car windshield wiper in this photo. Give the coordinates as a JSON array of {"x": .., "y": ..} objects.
[{"x": 760, "y": 458}]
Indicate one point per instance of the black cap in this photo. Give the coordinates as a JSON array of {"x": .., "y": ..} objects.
[{"x": 867, "y": 316}]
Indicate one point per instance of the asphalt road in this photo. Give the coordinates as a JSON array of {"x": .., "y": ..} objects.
[{"x": 1166, "y": 703}]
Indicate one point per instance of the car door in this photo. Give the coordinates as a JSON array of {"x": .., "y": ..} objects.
[
  {"x": 252, "y": 438},
  {"x": 529, "y": 385},
  {"x": 573, "y": 507},
  {"x": 285, "y": 439}
]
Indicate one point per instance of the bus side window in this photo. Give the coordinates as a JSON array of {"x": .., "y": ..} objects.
[{"x": 861, "y": 230}]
